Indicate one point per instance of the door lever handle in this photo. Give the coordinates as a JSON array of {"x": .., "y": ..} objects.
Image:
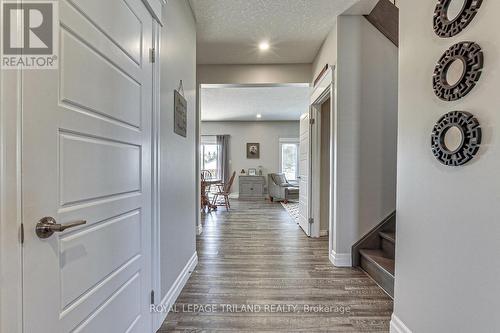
[{"x": 48, "y": 225}]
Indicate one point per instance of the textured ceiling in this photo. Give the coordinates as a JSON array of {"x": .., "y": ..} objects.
[
  {"x": 229, "y": 31},
  {"x": 243, "y": 103}
]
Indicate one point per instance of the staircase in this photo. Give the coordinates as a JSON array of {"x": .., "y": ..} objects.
[
  {"x": 375, "y": 253},
  {"x": 385, "y": 17}
]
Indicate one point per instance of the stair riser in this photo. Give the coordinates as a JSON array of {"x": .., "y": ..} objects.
[
  {"x": 388, "y": 247},
  {"x": 384, "y": 279}
]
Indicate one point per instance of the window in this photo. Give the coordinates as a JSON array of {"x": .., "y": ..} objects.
[
  {"x": 289, "y": 158},
  {"x": 209, "y": 155}
]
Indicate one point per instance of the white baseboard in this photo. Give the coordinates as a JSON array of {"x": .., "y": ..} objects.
[
  {"x": 176, "y": 288},
  {"x": 323, "y": 233},
  {"x": 341, "y": 259},
  {"x": 234, "y": 195},
  {"x": 397, "y": 326},
  {"x": 199, "y": 229}
]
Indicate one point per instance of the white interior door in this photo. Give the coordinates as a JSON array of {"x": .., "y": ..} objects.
[
  {"x": 304, "y": 168},
  {"x": 86, "y": 155}
]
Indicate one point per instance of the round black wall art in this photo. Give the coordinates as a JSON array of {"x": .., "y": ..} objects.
[
  {"x": 471, "y": 57},
  {"x": 470, "y": 132},
  {"x": 449, "y": 27}
]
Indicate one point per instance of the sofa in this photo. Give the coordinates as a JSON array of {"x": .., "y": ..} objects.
[{"x": 280, "y": 189}]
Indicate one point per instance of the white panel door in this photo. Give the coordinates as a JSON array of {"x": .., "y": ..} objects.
[
  {"x": 304, "y": 168},
  {"x": 86, "y": 155}
]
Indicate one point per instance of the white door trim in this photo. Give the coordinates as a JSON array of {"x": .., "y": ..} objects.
[
  {"x": 10, "y": 202},
  {"x": 323, "y": 91},
  {"x": 314, "y": 170},
  {"x": 305, "y": 172},
  {"x": 155, "y": 178},
  {"x": 397, "y": 325},
  {"x": 155, "y": 8}
]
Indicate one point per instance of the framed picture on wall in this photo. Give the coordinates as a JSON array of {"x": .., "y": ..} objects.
[
  {"x": 253, "y": 150},
  {"x": 180, "y": 114}
]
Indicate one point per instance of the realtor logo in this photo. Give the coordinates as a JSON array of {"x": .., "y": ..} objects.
[{"x": 29, "y": 36}]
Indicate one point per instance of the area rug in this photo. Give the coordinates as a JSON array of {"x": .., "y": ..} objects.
[{"x": 292, "y": 207}]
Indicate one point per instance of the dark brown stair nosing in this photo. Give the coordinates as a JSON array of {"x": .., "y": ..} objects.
[
  {"x": 378, "y": 258},
  {"x": 390, "y": 236}
]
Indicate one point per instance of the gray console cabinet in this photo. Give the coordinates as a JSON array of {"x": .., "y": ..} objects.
[{"x": 252, "y": 187}]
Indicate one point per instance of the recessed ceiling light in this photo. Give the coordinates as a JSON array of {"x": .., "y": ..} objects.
[
  {"x": 264, "y": 46},
  {"x": 259, "y": 116}
]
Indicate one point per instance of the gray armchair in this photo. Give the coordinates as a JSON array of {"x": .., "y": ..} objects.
[{"x": 280, "y": 189}]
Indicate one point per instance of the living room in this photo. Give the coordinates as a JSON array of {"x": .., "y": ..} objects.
[{"x": 249, "y": 144}]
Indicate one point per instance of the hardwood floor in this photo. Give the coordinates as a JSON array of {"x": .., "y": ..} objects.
[{"x": 255, "y": 258}]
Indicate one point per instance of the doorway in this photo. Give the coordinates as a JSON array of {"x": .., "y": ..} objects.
[
  {"x": 264, "y": 117},
  {"x": 321, "y": 199},
  {"x": 325, "y": 183}
]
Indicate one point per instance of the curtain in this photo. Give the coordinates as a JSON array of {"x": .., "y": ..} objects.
[{"x": 223, "y": 157}]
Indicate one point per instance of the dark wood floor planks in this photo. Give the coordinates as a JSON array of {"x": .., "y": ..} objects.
[{"x": 255, "y": 256}]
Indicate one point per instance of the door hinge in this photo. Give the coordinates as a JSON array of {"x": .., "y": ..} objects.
[
  {"x": 21, "y": 232},
  {"x": 311, "y": 121},
  {"x": 152, "y": 52},
  {"x": 152, "y": 297},
  {"x": 311, "y": 220}
]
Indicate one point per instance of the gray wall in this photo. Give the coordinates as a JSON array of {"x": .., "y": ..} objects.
[
  {"x": 447, "y": 270},
  {"x": 247, "y": 74},
  {"x": 367, "y": 104},
  {"x": 267, "y": 133},
  {"x": 365, "y": 120},
  {"x": 327, "y": 53},
  {"x": 177, "y": 159}
]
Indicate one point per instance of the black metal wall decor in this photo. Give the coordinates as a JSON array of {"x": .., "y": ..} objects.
[
  {"x": 446, "y": 27},
  {"x": 471, "y": 56},
  {"x": 470, "y": 138}
]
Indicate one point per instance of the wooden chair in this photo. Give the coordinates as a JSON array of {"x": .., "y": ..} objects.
[
  {"x": 205, "y": 189},
  {"x": 206, "y": 174},
  {"x": 223, "y": 190}
]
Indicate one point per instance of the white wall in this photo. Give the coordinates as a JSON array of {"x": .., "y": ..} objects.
[
  {"x": 177, "y": 156},
  {"x": 267, "y": 133},
  {"x": 447, "y": 270},
  {"x": 365, "y": 135}
]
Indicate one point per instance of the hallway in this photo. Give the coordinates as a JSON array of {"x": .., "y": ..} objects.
[{"x": 253, "y": 259}]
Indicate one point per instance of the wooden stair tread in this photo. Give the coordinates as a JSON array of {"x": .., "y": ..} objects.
[
  {"x": 380, "y": 259},
  {"x": 389, "y": 235}
]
